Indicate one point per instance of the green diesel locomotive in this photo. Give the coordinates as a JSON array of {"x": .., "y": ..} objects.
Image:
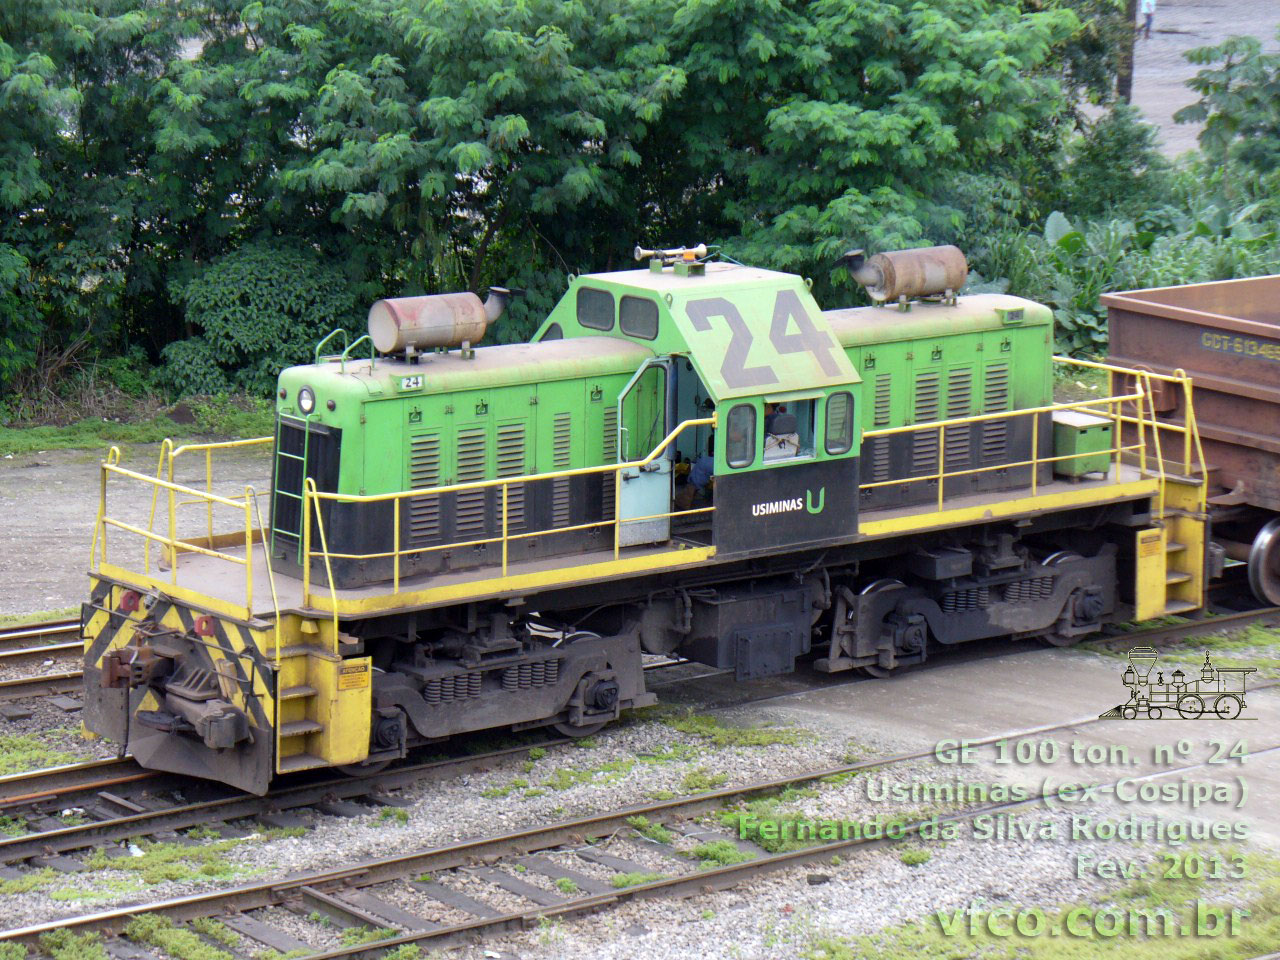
[{"x": 688, "y": 459}]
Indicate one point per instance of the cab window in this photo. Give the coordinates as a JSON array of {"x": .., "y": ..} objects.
[
  {"x": 788, "y": 429},
  {"x": 595, "y": 308},
  {"x": 740, "y": 451},
  {"x": 839, "y": 432},
  {"x": 638, "y": 317}
]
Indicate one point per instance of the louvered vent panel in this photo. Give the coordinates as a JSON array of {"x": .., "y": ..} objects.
[
  {"x": 424, "y": 473},
  {"x": 959, "y": 392},
  {"x": 995, "y": 397},
  {"x": 879, "y": 459},
  {"x": 562, "y": 437},
  {"x": 511, "y": 464},
  {"x": 924, "y": 444},
  {"x": 610, "y": 456},
  {"x": 883, "y": 382},
  {"x": 471, "y": 467}
]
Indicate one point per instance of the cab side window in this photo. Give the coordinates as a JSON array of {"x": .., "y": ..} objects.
[
  {"x": 839, "y": 432},
  {"x": 595, "y": 308},
  {"x": 740, "y": 451}
]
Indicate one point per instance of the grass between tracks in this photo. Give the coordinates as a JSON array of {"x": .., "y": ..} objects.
[{"x": 20, "y": 753}]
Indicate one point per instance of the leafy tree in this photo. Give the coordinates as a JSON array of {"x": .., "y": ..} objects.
[
  {"x": 1239, "y": 103},
  {"x": 74, "y": 80},
  {"x": 258, "y": 307}
]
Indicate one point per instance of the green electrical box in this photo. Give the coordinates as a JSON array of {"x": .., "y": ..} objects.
[{"x": 1086, "y": 438}]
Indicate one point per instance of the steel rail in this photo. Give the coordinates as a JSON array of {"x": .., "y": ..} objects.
[
  {"x": 240, "y": 805},
  {"x": 18, "y": 634},
  {"x": 41, "y": 685},
  {"x": 523, "y": 841},
  {"x": 50, "y": 782},
  {"x": 50, "y": 651}
]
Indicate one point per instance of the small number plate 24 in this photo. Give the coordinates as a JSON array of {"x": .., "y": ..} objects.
[{"x": 411, "y": 383}]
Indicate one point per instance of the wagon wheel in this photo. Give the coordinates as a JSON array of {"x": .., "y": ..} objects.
[
  {"x": 1264, "y": 563},
  {"x": 1190, "y": 706},
  {"x": 1129, "y": 713},
  {"x": 1227, "y": 707},
  {"x": 874, "y": 670},
  {"x": 1055, "y": 638}
]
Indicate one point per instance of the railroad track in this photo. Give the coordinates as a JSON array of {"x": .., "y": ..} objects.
[
  {"x": 24, "y": 635},
  {"x": 369, "y": 893}
]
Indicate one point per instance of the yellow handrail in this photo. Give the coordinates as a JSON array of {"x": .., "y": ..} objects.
[
  {"x": 309, "y": 490},
  {"x": 312, "y": 497}
]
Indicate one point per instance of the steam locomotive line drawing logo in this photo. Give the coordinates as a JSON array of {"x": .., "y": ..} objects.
[{"x": 1219, "y": 691}]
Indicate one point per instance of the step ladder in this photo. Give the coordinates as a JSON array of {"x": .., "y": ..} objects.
[
  {"x": 277, "y": 492},
  {"x": 323, "y": 709},
  {"x": 1170, "y": 575}
]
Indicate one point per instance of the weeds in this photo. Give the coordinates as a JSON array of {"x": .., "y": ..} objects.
[
  {"x": 720, "y": 853},
  {"x": 354, "y": 936},
  {"x": 179, "y": 943},
  {"x": 711, "y": 728},
  {"x": 696, "y": 781},
  {"x": 624, "y": 880},
  {"x": 65, "y": 945},
  {"x": 566, "y": 885},
  {"x": 20, "y": 753},
  {"x": 914, "y": 858},
  {"x": 652, "y": 831},
  {"x": 396, "y": 815}
]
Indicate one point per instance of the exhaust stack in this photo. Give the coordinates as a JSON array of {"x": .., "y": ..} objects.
[
  {"x": 905, "y": 274},
  {"x": 442, "y": 320}
]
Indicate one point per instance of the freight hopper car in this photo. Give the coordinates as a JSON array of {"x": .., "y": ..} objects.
[
  {"x": 1225, "y": 337},
  {"x": 689, "y": 459}
]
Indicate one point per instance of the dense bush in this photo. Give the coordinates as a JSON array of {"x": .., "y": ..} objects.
[{"x": 260, "y": 307}]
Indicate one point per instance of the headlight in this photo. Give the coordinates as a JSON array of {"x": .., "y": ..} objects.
[{"x": 306, "y": 400}]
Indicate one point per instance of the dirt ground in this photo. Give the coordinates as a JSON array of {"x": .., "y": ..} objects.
[{"x": 1161, "y": 69}]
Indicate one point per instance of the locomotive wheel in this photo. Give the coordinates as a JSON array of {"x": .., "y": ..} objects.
[
  {"x": 1190, "y": 706},
  {"x": 1154, "y": 713},
  {"x": 874, "y": 670},
  {"x": 363, "y": 769},
  {"x": 1227, "y": 707},
  {"x": 1055, "y": 638},
  {"x": 1264, "y": 564},
  {"x": 1129, "y": 713},
  {"x": 586, "y": 730}
]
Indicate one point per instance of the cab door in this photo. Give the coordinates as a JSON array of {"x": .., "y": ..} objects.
[{"x": 644, "y": 419}]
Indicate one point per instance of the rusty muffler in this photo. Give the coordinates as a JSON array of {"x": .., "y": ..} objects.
[{"x": 926, "y": 272}]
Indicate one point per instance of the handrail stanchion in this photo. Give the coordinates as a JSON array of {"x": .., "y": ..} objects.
[
  {"x": 271, "y": 581},
  {"x": 505, "y": 488},
  {"x": 328, "y": 569},
  {"x": 617, "y": 513},
  {"x": 166, "y": 445},
  {"x": 1035, "y": 452},
  {"x": 395, "y": 536},
  {"x": 248, "y": 549},
  {"x": 208, "y": 488},
  {"x": 306, "y": 545},
  {"x": 942, "y": 461}
]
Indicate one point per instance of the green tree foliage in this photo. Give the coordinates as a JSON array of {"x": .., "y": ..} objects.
[
  {"x": 156, "y": 155},
  {"x": 1239, "y": 103},
  {"x": 75, "y": 77},
  {"x": 257, "y": 307}
]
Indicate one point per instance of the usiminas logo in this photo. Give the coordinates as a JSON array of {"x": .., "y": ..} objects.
[{"x": 790, "y": 504}]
